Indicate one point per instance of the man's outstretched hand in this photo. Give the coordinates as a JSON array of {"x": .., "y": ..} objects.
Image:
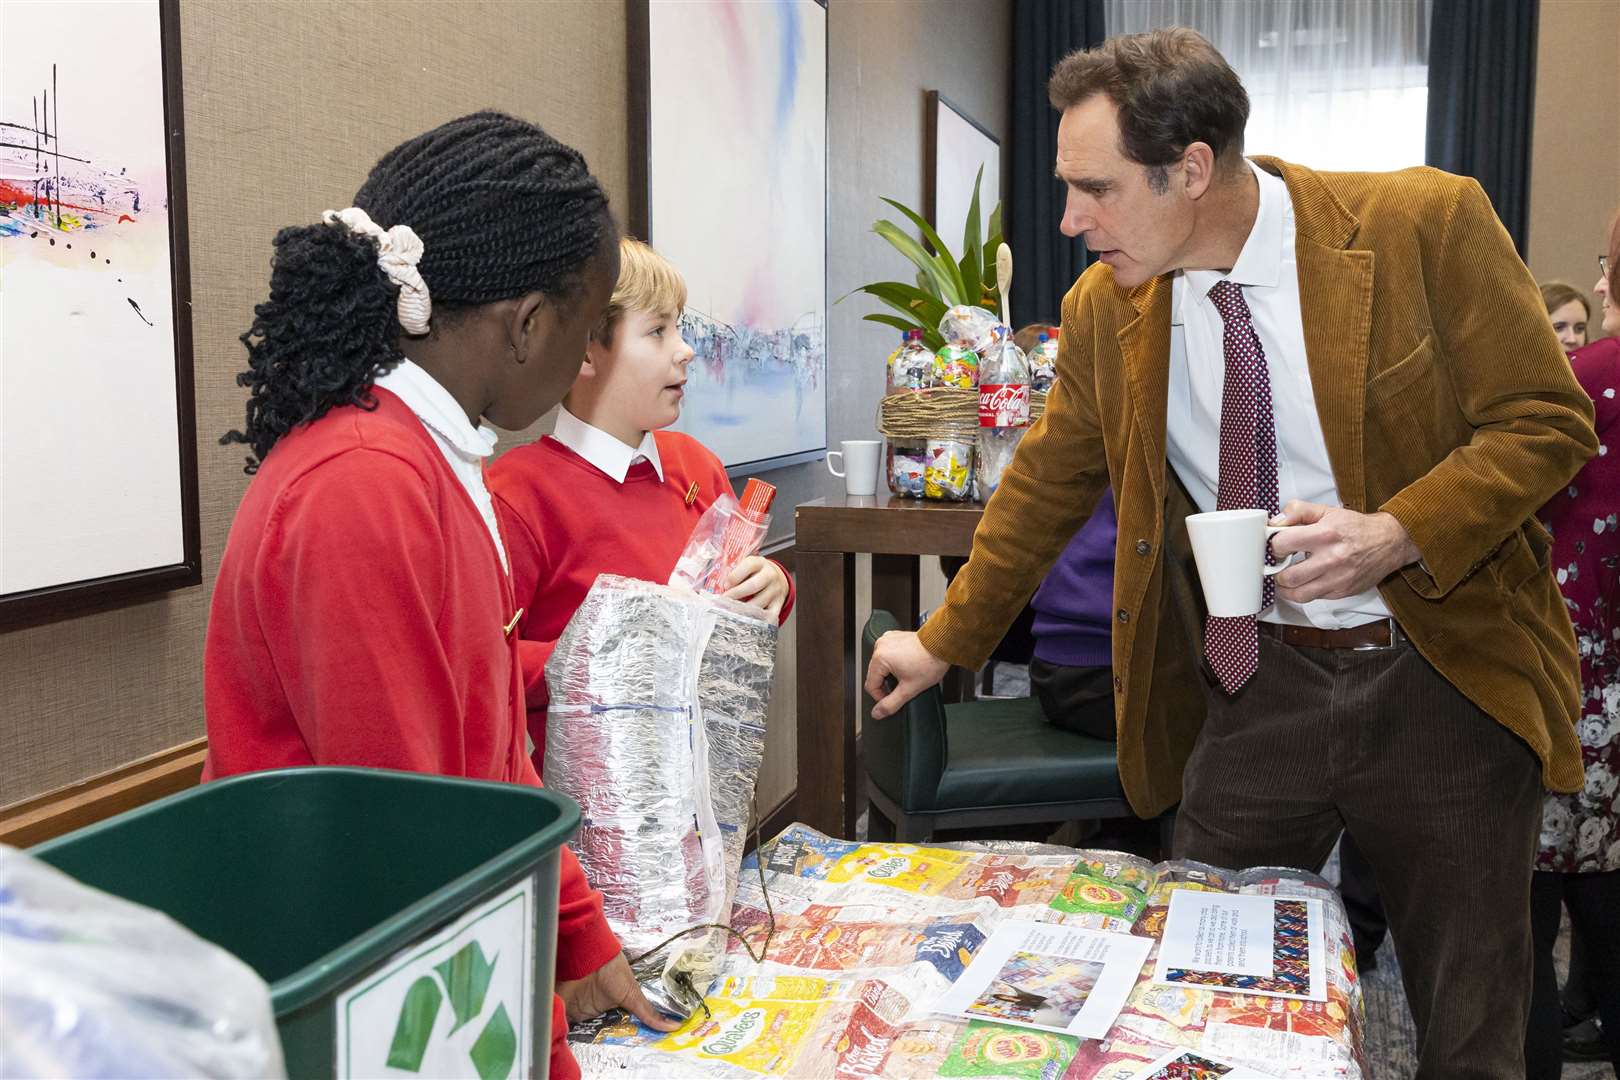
[{"x": 900, "y": 670}]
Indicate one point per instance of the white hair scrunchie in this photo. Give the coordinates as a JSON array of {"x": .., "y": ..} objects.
[{"x": 399, "y": 249}]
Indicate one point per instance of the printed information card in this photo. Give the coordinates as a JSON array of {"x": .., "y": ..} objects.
[
  {"x": 1249, "y": 944},
  {"x": 1055, "y": 978}
]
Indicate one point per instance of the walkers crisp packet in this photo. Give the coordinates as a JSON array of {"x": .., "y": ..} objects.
[
  {"x": 901, "y": 866},
  {"x": 1088, "y": 892},
  {"x": 802, "y": 852},
  {"x": 1007, "y": 882},
  {"x": 760, "y": 1024},
  {"x": 992, "y": 1050}
]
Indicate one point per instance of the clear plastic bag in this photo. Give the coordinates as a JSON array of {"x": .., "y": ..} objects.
[
  {"x": 974, "y": 327},
  {"x": 728, "y": 532},
  {"x": 95, "y": 986}
]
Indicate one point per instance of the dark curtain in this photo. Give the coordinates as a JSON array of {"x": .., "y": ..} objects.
[
  {"x": 1482, "y": 77},
  {"x": 1045, "y": 262}
]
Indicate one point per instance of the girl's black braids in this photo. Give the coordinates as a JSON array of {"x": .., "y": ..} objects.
[{"x": 502, "y": 209}]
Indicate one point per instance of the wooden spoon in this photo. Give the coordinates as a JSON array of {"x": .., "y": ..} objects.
[{"x": 1004, "y": 279}]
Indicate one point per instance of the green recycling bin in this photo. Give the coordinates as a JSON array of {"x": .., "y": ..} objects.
[{"x": 405, "y": 923}]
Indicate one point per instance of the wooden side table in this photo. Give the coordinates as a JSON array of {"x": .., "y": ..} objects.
[{"x": 829, "y": 533}]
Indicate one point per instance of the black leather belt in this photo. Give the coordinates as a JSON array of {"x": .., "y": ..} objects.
[{"x": 1382, "y": 634}]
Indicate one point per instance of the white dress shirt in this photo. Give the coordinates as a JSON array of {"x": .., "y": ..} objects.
[
  {"x": 1269, "y": 273},
  {"x": 464, "y": 447},
  {"x": 603, "y": 450}
]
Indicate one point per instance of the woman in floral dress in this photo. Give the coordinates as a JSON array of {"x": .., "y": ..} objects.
[{"x": 1578, "y": 864}]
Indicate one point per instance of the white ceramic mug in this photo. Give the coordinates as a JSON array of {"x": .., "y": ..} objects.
[
  {"x": 858, "y": 461},
  {"x": 1229, "y": 547}
]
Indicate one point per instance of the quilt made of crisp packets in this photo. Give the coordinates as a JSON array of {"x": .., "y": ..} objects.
[{"x": 867, "y": 936}]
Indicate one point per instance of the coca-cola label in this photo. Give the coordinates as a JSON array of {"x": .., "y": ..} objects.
[{"x": 1003, "y": 405}]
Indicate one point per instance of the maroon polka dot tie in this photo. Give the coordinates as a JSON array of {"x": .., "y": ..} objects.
[{"x": 1248, "y": 473}]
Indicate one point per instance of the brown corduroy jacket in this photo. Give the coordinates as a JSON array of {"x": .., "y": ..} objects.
[{"x": 1445, "y": 400}]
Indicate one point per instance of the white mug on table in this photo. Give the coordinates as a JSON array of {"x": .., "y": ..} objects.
[
  {"x": 858, "y": 465},
  {"x": 1229, "y": 547}
]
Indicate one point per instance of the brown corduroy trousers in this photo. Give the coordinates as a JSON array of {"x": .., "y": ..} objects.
[{"x": 1444, "y": 802}]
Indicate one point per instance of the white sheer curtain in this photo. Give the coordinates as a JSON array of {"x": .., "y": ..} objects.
[{"x": 1333, "y": 84}]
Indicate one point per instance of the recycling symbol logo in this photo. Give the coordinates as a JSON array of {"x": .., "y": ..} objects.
[{"x": 463, "y": 980}]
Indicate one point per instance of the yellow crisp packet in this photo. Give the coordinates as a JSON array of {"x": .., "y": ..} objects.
[
  {"x": 756, "y": 1024},
  {"x": 922, "y": 870},
  {"x": 1161, "y": 892},
  {"x": 946, "y": 475}
]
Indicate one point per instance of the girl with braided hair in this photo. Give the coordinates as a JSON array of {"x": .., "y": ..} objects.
[{"x": 364, "y": 614}]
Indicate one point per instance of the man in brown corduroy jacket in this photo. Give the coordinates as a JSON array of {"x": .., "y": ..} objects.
[{"x": 1366, "y": 354}]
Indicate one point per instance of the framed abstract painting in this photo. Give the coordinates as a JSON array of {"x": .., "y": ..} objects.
[
  {"x": 98, "y": 456},
  {"x": 728, "y": 165},
  {"x": 958, "y": 146}
]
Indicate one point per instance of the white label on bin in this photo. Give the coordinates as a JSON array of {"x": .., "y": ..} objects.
[{"x": 459, "y": 1003}]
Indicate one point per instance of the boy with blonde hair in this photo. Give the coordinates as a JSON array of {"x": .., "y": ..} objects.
[{"x": 609, "y": 491}]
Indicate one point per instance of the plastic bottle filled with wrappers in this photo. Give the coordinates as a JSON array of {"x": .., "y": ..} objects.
[
  {"x": 888, "y": 365},
  {"x": 911, "y": 367},
  {"x": 1004, "y": 383},
  {"x": 1043, "y": 363},
  {"x": 905, "y": 466},
  {"x": 948, "y": 473},
  {"x": 969, "y": 333},
  {"x": 729, "y": 531}
]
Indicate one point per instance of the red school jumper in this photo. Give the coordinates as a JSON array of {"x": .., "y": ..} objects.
[
  {"x": 566, "y": 521},
  {"x": 359, "y": 619}
]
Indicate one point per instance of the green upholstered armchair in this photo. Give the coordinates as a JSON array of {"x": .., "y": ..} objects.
[{"x": 988, "y": 762}]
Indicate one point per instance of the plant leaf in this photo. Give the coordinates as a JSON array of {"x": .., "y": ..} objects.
[
  {"x": 906, "y": 311},
  {"x": 927, "y": 308},
  {"x": 943, "y": 258},
  {"x": 973, "y": 244},
  {"x": 995, "y": 230},
  {"x": 893, "y": 320},
  {"x": 931, "y": 336},
  {"x": 947, "y": 283},
  {"x": 972, "y": 279}
]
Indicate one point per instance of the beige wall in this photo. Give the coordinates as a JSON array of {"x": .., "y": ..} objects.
[
  {"x": 288, "y": 103},
  {"x": 1575, "y": 155}
]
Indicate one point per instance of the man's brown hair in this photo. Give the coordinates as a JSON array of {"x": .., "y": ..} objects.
[{"x": 1172, "y": 89}]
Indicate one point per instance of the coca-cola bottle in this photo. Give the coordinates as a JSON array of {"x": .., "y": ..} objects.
[{"x": 1003, "y": 412}]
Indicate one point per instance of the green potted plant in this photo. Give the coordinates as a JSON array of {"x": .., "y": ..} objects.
[{"x": 943, "y": 279}]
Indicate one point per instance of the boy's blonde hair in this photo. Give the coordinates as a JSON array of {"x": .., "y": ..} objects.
[{"x": 647, "y": 282}]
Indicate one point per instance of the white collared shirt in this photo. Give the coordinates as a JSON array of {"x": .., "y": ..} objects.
[
  {"x": 1268, "y": 271},
  {"x": 464, "y": 447},
  {"x": 603, "y": 450}
]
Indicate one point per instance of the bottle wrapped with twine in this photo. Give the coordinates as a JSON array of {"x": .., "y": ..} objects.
[
  {"x": 911, "y": 420},
  {"x": 941, "y": 412}
]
